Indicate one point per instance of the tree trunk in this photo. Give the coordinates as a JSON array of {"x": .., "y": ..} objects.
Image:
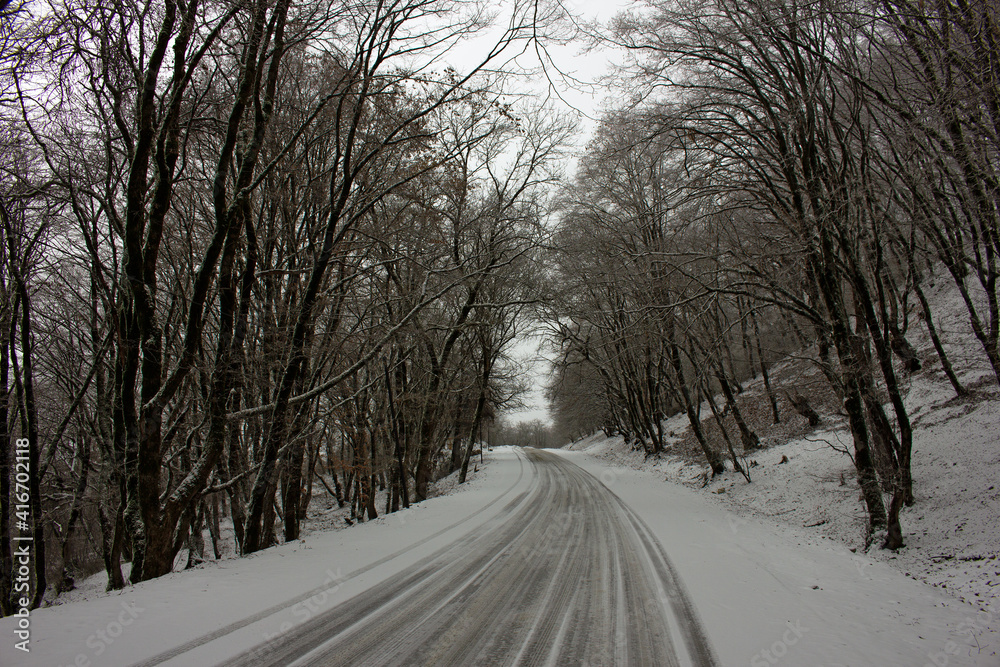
[
  {"x": 425, "y": 458},
  {"x": 949, "y": 372},
  {"x": 719, "y": 420},
  {"x": 291, "y": 489},
  {"x": 232, "y": 467},
  {"x": 853, "y": 402},
  {"x": 29, "y": 430},
  {"x": 801, "y": 405},
  {"x": 213, "y": 526},
  {"x": 748, "y": 437},
  {"x": 6, "y": 558},
  {"x": 902, "y": 480},
  {"x": 714, "y": 458},
  {"x": 476, "y": 420},
  {"x": 66, "y": 584},
  {"x": 894, "y": 533},
  {"x": 398, "y": 429},
  {"x": 111, "y": 545},
  {"x": 772, "y": 397}
]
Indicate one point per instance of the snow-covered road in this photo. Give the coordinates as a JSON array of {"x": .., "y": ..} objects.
[
  {"x": 538, "y": 561},
  {"x": 768, "y": 594},
  {"x": 564, "y": 575}
]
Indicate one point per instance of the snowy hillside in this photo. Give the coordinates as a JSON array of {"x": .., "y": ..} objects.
[{"x": 805, "y": 477}]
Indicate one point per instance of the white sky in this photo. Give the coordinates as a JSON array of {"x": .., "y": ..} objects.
[
  {"x": 570, "y": 59},
  {"x": 573, "y": 60},
  {"x": 570, "y": 82}
]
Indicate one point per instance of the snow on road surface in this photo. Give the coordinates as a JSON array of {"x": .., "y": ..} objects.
[
  {"x": 561, "y": 576},
  {"x": 535, "y": 562},
  {"x": 774, "y": 595}
]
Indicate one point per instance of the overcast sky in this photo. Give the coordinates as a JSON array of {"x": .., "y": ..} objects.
[{"x": 586, "y": 67}]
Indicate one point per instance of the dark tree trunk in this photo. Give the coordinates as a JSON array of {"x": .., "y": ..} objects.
[
  {"x": 801, "y": 405},
  {"x": 398, "y": 429},
  {"x": 949, "y": 372},
  {"x": 268, "y": 535},
  {"x": 6, "y": 558},
  {"x": 714, "y": 458},
  {"x": 474, "y": 430},
  {"x": 158, "y": 531},
  {"x": 867, "y": 476},
  {"x": 720, "y": 422},
  {"x": 425, "y": 458},
  {"x": 66, "y": 584},
  {"x": 902, "y": 480},
  {"x": 309, "y": 476},
  {"x": 894, "y": 534},
  {"x": 229, "y": 468},
  {"x": 109, "y": 536},
  {"x": 772, "y": 397},
  {"x": 456, "y": 450},
  {"x": 369, "y": 506},
  {"x": 213, "y": 526},
  {"x": 852, "y": 383},
  {"x": 902, "y": 349},
  {"x": 29, "y": 430},
  {"x": 291, "y": 490},
  {"x": 748, "y": 437},
  {"x": 332, "y": 471}
]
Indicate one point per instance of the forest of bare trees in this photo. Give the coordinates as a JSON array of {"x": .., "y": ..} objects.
[
  {"x": 253, "y": 249},
  {"x": 783, "y": 175},
  {"x": 256, "y": 250}
]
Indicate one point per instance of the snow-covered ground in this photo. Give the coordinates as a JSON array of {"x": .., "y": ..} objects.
[
  {"x": 772, "y": 594},
  {"x": 805, "y": 482},
  {"x": 324, "y": 515},
  {"x": 250, "y": 599},
  {"x": 766, "y": 593},
  {"x": 776, "y": 568},
  {"x": 951, "y": 534}
]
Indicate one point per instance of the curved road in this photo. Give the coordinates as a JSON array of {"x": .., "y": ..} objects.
[{"x": 565, "y": 575}]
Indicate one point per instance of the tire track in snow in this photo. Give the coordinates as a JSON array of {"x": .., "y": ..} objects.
[
  {"x": 566, "y": 575},
  {"x": 287, "y": 604}
]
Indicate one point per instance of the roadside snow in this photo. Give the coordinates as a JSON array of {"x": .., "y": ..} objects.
[
  {"x": 805, "y": 483},
  {"x": 274, "y": 589},
  {"x": 770, "y": 593}
]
